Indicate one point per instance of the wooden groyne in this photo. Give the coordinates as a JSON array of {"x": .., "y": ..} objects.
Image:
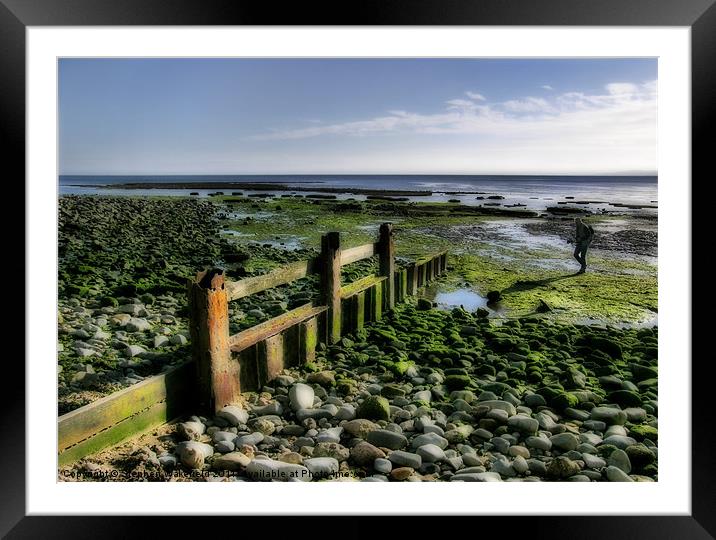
[{"x": 224, "y": 365}]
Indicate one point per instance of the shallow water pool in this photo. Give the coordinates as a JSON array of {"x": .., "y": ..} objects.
[
  {"x": 466, "y": 298},
  {"x": 448, "y": 299}
]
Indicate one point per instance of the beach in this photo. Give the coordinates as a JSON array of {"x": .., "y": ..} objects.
[{"x": 554, "y": 380}]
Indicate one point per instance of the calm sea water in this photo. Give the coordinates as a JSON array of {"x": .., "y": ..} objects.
[{"x": 535, "y": 192}]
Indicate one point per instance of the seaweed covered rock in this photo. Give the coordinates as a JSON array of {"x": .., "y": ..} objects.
[{"x": 374, "y": 408}]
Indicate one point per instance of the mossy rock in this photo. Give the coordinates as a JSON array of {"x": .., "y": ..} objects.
[
  {"x": 384, "y": 336},
  {"x": 400, "y": 368},
  {"x": 109, "y": 301},
  {"x": 126, "y": 290},
  {"x": 424, "y": 304},
  {"x": 575, "y": 379},
  {"x": 650, "y": 353},
  {"x": 498, "y": 388},
  {"x": 457, "y": 382},
  {"x": 374, "y": 408},
  {"x": 640, "y": 456},
  {"x": 605, "y": 450},
  {"x": 626, "y": 398},
  {"x": 503, "y": 344},
  {"x": 392, "y": 391},
  {"x": 486, "y": 369},
  {"x": 147, "y": 298},
  {"x": 564, "y": 400},
  {"x": 608, "y": 346},
  {"x": 606, "y": 370},
  {"x": 599, "y": 357},
  {"x": 644, "y": 431},
  {"x": 482, "y": 313},
  {"x": 77, "y": 290},
  {"x": 648, "y": 383},
  {"x": 311, "y": 366},
  {"x": 85, "y": 269},
  {"x": 534, "y": 376},
  {"x": 345, "y": 386},
  {"x": 549, "y": 393},
  {"x": 642, "y": 373},
  {"x": 421, "y": 403}
]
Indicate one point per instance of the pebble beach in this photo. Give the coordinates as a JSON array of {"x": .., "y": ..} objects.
[{"x": 433, "y": 392}]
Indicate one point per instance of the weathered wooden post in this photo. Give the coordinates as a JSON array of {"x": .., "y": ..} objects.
[
  {"x": 412, "y": 279},
  {"x": 218, "y": 375},
  {"x": 387, "y": 263},
  {"x": 308, "y": 340},
  {"x": 331, "y": 283}
]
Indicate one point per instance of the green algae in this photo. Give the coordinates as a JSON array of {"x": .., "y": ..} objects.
[
  {"x": 618, "y": 289},
  {"x": 374, "y": 408}
]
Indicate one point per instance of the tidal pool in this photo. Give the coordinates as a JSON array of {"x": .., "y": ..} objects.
[
  {"x": 466, "y": 298},
  {"x": 449, "y": 299}
]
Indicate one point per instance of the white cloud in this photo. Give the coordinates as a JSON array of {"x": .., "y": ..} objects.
[
  {"x": 573, "y": 131},
  {"x": 461, "y": 105},
  {"x": 528, "y": 104},
  {"x": 622, "y": 102},
  {"x": 617, "y": 89},
  {"x": 475, "y": 96},
  {"x": 546, "y": 87}
]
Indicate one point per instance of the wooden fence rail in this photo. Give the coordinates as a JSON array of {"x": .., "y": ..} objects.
[{"x": 225, "y": 365}]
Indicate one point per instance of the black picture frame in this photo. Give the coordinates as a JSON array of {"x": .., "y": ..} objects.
[{"x": 699, "y": 15}]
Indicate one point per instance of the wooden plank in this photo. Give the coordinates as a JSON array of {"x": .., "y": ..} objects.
[
  {"x": 249, "y": 369},
  {"x": 359, "y": 311},
  {"x": 218, "y": 382},
  {"x": 360, "y": 285},
  {"x": 309, "y": 337},
  {"x": 403, "y": 284},
  {"x": 429, "y": 257},
  {"x": 358, "y": 253},
  {"x": 270, "y": 358},
  {"x": 347, "y": 315},
  {"x": 331, "y": 283},
  {"x": 387, "y": 263},
  {"x": 279, "y": 276},
  {"x": 131, "y": 427},
  {"x": 322, "y": 327},
  {"x": 291, "y": 345},
  {"x": 375, "y": 301},
  {"x": 260, "y": 332},
  {"x": 421, "y": 274},
  {"x": 412, "y": 279},
  {"x": 94, "y": 417}
]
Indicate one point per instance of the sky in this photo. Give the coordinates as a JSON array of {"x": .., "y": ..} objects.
[{"x": 357, "y": 116}]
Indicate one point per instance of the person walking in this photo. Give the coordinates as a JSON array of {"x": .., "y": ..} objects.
[{"x": 584, "y": 236}]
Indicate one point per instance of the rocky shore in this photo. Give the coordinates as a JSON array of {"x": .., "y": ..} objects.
[
  {"x": 428, "y": 395},
  {"x": 424, "y": 395}
]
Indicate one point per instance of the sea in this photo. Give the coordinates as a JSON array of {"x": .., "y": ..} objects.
[{"x": 533, "y": 192}]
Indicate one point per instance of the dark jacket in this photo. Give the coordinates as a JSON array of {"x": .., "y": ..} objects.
[{"x": 585, "y": 233}]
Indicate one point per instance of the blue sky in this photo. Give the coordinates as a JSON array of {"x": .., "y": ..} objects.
[{"x": 361, "y": 116}]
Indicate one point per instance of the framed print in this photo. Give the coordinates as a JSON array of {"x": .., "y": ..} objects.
[{"x": 433, "y": 261}]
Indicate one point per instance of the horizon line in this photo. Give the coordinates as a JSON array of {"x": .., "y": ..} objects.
[{"x": 616, "y": 174}]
